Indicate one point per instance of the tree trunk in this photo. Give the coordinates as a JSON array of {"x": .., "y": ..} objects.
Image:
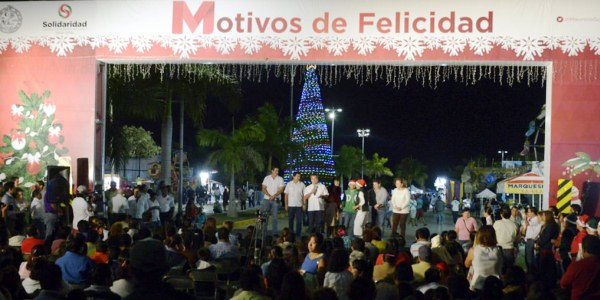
[
  {"x": 270, "y": 162},
  {"x": 166, "y": 135},
  {"x": 232, "y": 211}
]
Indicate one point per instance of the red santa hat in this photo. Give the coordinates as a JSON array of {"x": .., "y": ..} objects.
[
  {"x": 352, "y": 181},
  {"x": 582, "y": 220},
  {"x": 361, "y": 182}
]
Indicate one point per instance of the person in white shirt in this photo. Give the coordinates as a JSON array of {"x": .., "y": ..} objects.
[
  {"x": 132, "y": 201},
  {"x": 166, "y": 203},
  {"x": 82, "y": 210},
  {"x": 455, "y": 209},
  {"x": 315, "y": 194},
  {"x": 153, "y": 209},
  {"x": 119, "y": 207},
  {"x": 381, "y": 202},
  {"x": 142, "y": 203},
  {"x": 362, "y": 209},
  {"x": 506, "y": 235},
  {"x": 400, "y": 202},
  {"x": 532, "y": 228},
  {"x": 37, "y": 212},
  {"x": 294, "y": 202},
  {"x": 272, "y": 188}
]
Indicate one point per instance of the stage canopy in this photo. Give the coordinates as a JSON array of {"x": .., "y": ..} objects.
[{"x": 528, "y": 183}]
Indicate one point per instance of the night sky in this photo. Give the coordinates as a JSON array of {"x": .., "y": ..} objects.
[{"x": 442, "y": 127}]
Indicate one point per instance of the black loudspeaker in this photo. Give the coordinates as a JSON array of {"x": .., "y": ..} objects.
[
  {"x": 82, "y": 172},
  {"x": 590, "y": 198},
  {"x": 57, "y": 188}
]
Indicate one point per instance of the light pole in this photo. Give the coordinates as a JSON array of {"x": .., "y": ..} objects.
[
  {"x": 363, "y": 133},
  {"x": 502, "y": 152},
  {"x": 332, "y": 112}
]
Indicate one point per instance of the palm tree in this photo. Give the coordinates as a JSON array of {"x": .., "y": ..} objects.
[
  {"x": 347, "y": 163},
  {"x": 375, "y": 167},
  {"x": 277, "y": 143},
  {"x": 234, "y": 153},
  {"x": 412, "y": 170},
  {"x": 151, "y": 97}
]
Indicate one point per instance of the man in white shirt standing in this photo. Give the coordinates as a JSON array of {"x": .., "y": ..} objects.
[
  {"x": 531, "y": 227},
  {"x": 119, "y": 207},
  {"x": 380, "y": 205},
  {"x": 143, "y": 203},
  {"x": 166, "y": 203},
  {"x": 315, "y": 194},
  {"x": 455, "y": 209},
  {"x": 82, "y": 210},
  {"x": 132, "y": 201},
  {"x": 506, "y": 234},
  {"x": 294, "y": 202},
  {"x": 272, "y": 188}
]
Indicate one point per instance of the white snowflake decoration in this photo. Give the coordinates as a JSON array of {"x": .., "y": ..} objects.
[
  {"x": 364, "y": 45},
  {"x": 387, "y": 42},
  {"x": 338, "y": 45},
  {"x": 118, "y": 44},
  {"x": 20, "y": 44},
  {"x": 529, "y": 48},
  {"x": 433, "y": 42},
  {"x": 97, "y": 42},
  {"x": 250, "y": 44},
  {"x": 163, "y": 41},
  {"x": 454, "y": 45},
  {"x": 225, "y": 45},
  {"x": 184, "y": 46},
  {"x": 318, "y": 42},
  {"x": 141, "y": 44},
  {"x": 481, "y": 45},
  {"x": 81, "y": 40},
  {"x": 61, "y": 45},
  {"x": 3, "y": 45},
  {"x": 274, "y": 42},
  {"x": 409, "y": 48},
  {"x": 595, "y": 45},
  {"x": 551, "y": 42},
  {"x": 505, "y": 42},
  {"x": 295, "y": 47},
  {"x": 572, "y": 45}
]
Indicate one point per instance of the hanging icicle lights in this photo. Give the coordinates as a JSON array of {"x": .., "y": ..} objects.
[
  {"x": 311, "y": 134},
  {"x": 328, "y": 75}
]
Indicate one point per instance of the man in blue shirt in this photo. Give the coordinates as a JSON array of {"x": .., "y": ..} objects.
[{"x": 76, "y": 267}]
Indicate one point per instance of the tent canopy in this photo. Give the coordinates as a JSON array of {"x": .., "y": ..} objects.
[
  {"x": 415, "y": 190},
  {"x": 528, "y": 183},
  {"x": 486, "y": 194}
]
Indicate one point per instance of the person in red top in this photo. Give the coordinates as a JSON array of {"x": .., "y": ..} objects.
[
  {"x": 31, "y": 240},
  {"x": 581, "y": 225},
  {"x": 583, "y": 277}
]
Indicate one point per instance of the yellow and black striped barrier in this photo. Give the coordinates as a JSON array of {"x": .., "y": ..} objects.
[{"x": 564, "y": 196}]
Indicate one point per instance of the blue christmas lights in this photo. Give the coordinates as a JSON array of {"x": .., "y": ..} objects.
[{"x": 311, "y": 133}]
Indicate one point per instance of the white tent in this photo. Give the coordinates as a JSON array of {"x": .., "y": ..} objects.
[
  {"x": 415, "y": 190},
  {"x": 486, "y": 194}
]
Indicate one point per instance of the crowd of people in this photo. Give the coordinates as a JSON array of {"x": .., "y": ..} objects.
[{"x": 341, "y": 252}]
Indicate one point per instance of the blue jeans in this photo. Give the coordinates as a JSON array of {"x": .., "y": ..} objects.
[
  {"x": 315, "y": 221},
  {"x": 295, "y": 213},
  {"x": 381, "y": 219},
  {"x": 440, "y": 217},
  {"x": 272, "y": 208},
  {"x": 348, "y": 222}
]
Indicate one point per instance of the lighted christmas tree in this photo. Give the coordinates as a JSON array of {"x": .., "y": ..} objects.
[{"x": 310, "y": 134}]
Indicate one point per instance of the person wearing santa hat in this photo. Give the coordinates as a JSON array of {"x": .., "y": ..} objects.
[
  {"x": 362, "y": 208},
  {"x": 576, "y": 243},
  {"x": 348, "y": 211},
  {"x": 592, "y": 227}
]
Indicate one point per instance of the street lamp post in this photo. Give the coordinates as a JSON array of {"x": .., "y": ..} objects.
[
  {"x": 332, "y": 112},
  {"x": 502, "y": 152},
  {"x": 363, "y": 133}
]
